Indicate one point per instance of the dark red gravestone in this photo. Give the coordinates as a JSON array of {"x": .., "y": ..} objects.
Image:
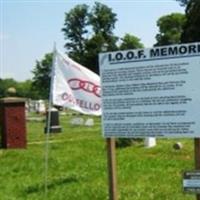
[{"x": 13, "y": 122}]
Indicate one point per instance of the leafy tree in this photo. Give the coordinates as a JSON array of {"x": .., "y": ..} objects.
[
  {"x": 75, "y": 31},
  {"x": 130, "y": 42},
  {"x": 191, "y": 30},
  {"x": 99, "y": 18},
  {"x": 183, "y": 2},
  {"x": 1, "y": 88},
  {"x": 5, "y": 84},
  {"x": 88, "y": 31},
  {"x": 93, "y": 47},
  {"x": 170, "y": 29},
  {"x": 24, "y": 89},
  {"x": 41, "y": 79},
  {"x": 102, "y": 20}
]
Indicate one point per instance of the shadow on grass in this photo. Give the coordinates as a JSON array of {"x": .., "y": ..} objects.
[{"x": 51, "y": 185}]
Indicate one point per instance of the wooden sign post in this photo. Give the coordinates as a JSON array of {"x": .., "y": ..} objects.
[
  {"x": 197, "y": 157},
  {"x": 112, "y": 178}
]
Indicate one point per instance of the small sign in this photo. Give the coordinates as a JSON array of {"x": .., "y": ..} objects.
[{"x": 191, "y": 182}]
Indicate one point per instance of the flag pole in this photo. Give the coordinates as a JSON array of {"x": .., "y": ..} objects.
[{"x": 49, "y": 123}]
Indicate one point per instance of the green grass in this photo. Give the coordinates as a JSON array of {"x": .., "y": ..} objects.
[{"x": 78, "y": 167}]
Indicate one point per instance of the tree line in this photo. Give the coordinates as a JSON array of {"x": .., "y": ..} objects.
[{"x": 90, "y": 30}]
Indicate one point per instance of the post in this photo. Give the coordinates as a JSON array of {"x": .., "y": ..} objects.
[
  {"x": 197, "y": 157},
  {"x": 13, "y": 122},
  {"x": 112, "y": 178}
]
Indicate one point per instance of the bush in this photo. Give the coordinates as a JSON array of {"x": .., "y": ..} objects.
[{"x": 125, "y": 142}]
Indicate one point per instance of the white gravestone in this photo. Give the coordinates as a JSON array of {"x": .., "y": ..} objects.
[
  {"x": 40, "y": 106},
  {"x": 77, "y": 121},
  {"x": 89, "y": 122},
  {"x": 150, "y": 142}
]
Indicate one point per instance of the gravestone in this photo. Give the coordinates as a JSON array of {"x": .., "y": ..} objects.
[
  {"x": 89, "y": 122},
  {"x": 54, "y": 121},
  {"x": 77, "y": 121},
  {"x": 150, "y": 142},
  {"x": 40, "y": 106},
  {"x": 178, "y": 146}
]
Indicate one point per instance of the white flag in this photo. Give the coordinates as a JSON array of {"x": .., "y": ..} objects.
[{"x": 74, "y": 86}]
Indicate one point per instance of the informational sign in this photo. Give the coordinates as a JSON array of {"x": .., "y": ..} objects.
[
  {"x": 191, "y": 182},
  {"x": 151, "y": 92}
]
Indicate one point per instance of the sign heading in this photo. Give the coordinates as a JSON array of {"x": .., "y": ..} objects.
[{"x": 173, "y": 51}]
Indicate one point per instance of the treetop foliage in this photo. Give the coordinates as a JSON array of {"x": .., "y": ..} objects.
[
  {"x": 99, "y": 18},
  {"x": 87, "y": 30},
  {"x": 41, "y": 79},
  {"x": 170, "y": 29},
  {"x": 183, "y": 2},
  {"x": 191, "y": 30},
  {"x": 75, "y": 29},
  {"x": 130, "y": 42},
  {"x": 23, "y": 88}
]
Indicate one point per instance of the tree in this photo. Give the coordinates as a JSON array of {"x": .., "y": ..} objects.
[
  {"x": 130, "y": 42},
  {"x": 93, "y": 47},
  {"x": 102, "y": 20},
  {"x": 183, "y": 2},
  {"x": 191, "y": 30},
  {"x": 24, "y": 89},
  {"x": 41, "y": 79},
  {"x": 5, "y": 84},
  {"x": 75, "y": 31},
  {"x": 88, "y": 31},
  {"x": 170, "y": 29}
]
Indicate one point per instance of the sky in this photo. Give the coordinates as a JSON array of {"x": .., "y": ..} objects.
[{"x": 29, "y": 28}]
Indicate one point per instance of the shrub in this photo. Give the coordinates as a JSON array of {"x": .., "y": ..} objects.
[{"x": 125, "y": 142}]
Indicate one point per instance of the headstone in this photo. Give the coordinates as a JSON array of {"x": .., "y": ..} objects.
[
  {"x": 54, "y": 121},
  {"x": 77, "y": 121},
  {"x": 150, "y": 142},
  {"x": 63, "y": 113},
  {"x": 178, "y": 146},
  {"x": 40, "y": 106},
  {"x": 89, "y": 122}
]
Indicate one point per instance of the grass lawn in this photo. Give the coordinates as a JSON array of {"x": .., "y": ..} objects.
[{"x": 78, "y": 167}]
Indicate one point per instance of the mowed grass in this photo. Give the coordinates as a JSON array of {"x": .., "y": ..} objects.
[{"x": 78, "y": 167}]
